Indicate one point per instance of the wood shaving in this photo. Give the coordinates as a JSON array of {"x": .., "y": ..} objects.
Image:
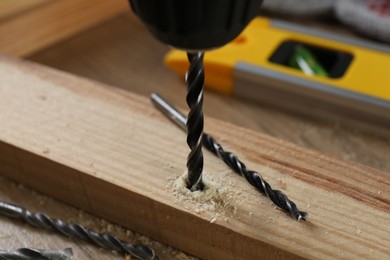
[{"x": 214, "y": 198}]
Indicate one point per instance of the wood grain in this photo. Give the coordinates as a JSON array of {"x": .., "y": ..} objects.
[
  {"x": 37, "y": 28},
  {"x": 109, "y": 152}
]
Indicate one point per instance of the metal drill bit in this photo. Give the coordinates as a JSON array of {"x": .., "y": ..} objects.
[
  {"x": 254, "y": 178},
  {"x": 36, "y": 254},
  {"x": 195, "y": 81},
  {"x": 104, "y": 240}
]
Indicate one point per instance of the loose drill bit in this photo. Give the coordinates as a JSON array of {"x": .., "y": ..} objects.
[
  {"x": 36, "y": 254},
  {"x": 254, "y": 178},
  {"x": 195, "y": 82},
  {"x": 104, "y": 240}
]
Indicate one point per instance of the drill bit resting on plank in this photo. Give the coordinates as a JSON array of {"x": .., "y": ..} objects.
[
  {"x": 104, "y": 240},
  {"x": 253, "y": 177}
]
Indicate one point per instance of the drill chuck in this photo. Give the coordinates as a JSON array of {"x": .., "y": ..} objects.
[{"x": 196, "y": 24}]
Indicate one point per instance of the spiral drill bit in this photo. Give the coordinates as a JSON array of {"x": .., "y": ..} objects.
[
  {"x": 254, "y": 178},
  {"x": 195, "y": 82},
  {"x": 104, "y": 240},
  {"x": 36, "y": 254}
]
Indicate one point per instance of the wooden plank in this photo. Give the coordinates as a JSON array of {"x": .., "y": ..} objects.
[
  {"x": 109, "y": 152},
  {"x": 56, "y": 20}
]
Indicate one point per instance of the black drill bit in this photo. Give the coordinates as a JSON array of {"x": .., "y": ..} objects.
[
  {"x": 254, "y": 178},
  {"x": 104, "y": 240},
  {"x": 36, "y": 254},
  {"x": 195, "y": 82}
]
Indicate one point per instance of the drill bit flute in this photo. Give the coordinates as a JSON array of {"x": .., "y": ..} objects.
[
  {"x": 36, "y": 254},
  {"x": 195, "y": 82}
]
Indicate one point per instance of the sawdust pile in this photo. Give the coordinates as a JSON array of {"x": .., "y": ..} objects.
[{"x": 214, "y": 198}]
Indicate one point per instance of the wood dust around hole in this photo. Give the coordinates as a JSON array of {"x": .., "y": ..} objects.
[{"x": 214, "y": 198}]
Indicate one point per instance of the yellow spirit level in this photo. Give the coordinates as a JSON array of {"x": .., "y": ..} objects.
[{"x": 349, "y": 76}]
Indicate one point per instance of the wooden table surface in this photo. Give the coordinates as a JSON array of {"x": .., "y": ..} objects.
[{"x": 123, "y": 54}]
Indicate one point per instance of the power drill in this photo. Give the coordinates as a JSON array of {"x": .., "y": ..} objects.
[{"x": 195, "y": 26}]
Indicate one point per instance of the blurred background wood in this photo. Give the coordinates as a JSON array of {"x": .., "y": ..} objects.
[
  {"x": 122, "y": 53},
  {"x": 29, "y": 26},
  {"x": 9, "y": 8}
]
